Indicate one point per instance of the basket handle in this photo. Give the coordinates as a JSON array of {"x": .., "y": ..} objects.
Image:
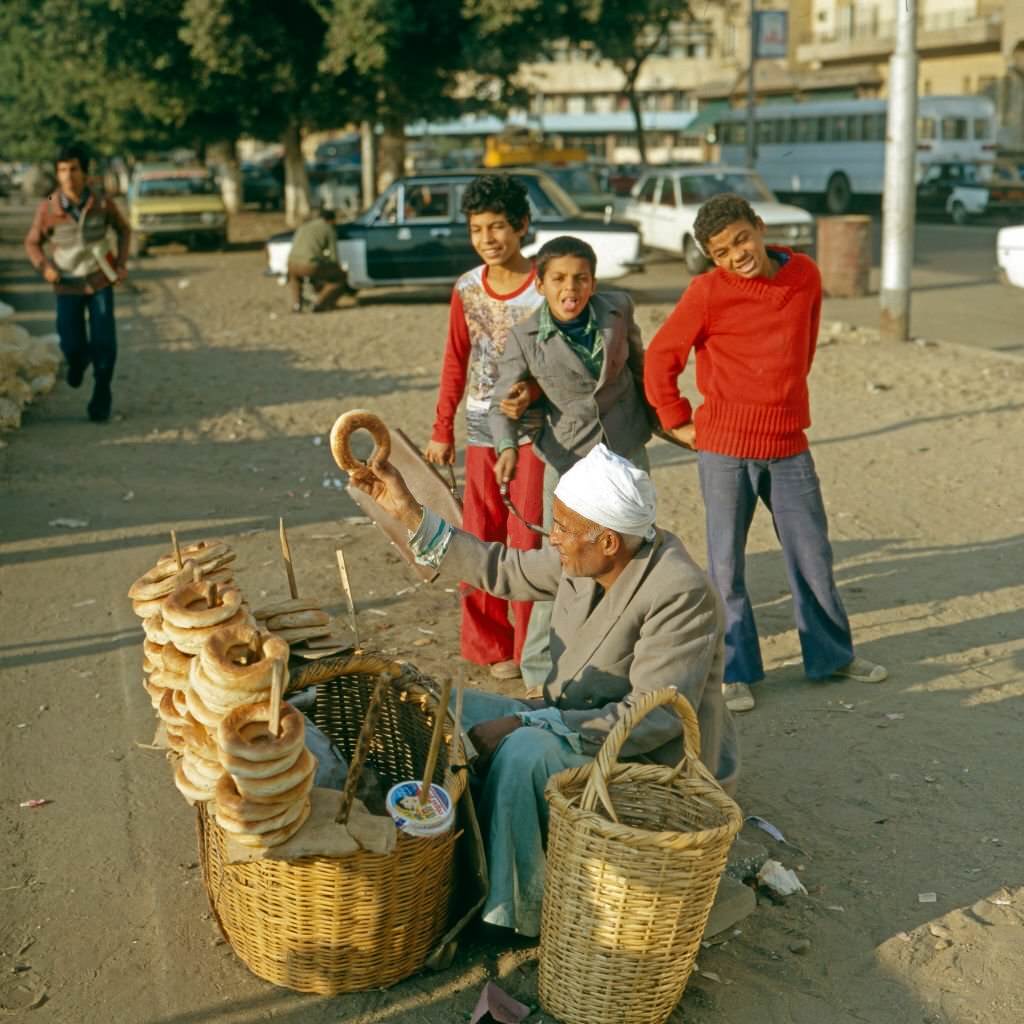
[
  {"x": 607, "y": 757},
  {"x": 355, "y": 769}
]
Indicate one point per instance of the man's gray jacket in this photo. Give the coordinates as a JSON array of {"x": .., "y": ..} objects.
[
  {"x": 659, "y": 624},
  {"x": 578, "y": 411}
]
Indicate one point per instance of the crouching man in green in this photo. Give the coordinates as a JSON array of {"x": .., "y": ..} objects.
[{"x": 632, "y": 613}]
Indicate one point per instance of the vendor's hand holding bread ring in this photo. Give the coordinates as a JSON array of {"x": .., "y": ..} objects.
[
  {"x": 345, "y": 425},
  {"x": 382, "y": 482}
]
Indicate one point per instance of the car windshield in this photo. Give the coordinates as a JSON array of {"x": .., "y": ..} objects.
[
  {"x": 580, "y": 180},
  {"x": 179, "y": 185},
  {"x": 698, "y": 187}
]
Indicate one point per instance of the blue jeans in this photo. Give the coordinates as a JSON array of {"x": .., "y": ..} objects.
[
  {"x": 790, "y": 490},
  {"x": 98, "y": 344}
]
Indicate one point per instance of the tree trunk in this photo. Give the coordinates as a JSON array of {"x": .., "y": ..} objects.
[
  {"x": 296, "y": 183},
  {"x": 634, "y": 105},
  {"x": 225, "y": 152},
  {"x": 368, "y": 157},
  {"x": 392, "y": 155}
]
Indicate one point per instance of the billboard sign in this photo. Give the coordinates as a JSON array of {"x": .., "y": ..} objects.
[{"x": 771, "y": 34}]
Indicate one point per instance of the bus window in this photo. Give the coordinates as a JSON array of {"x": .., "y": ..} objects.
[
  {"x": 926, "y": 128},
  {"x": 954, "y": 128},
  {"x": 841, "y": 129},
  {"x": 822, "y": 134},
  {"x": 874, "y": 127},
  {"x": 765, "y": 131},
  {"x": 805, "y": 131},
  {"x": 788, "y": 130},
  {"x": 739, "y": 133},
  {"x": 982, "y": 129},
  {"x": 856, "y": 128}
]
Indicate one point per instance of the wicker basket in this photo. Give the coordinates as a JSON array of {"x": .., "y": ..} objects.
[
  {"x": 365, "y": 920},
  {"x": 626, "y": 900}
]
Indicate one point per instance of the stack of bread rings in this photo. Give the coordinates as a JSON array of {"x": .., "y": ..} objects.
[
  {"x": 263, "y": 799},
  {"x": 295, "y": 620},
  {"x": 235, "y": 667},
  {"x": 197, "y": 773},
  {"x": 195, "y": 611},
  {"x": 209, "y": 559}
]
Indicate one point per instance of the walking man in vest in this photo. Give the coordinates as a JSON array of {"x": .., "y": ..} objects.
[{"x": 75, "y": 221}]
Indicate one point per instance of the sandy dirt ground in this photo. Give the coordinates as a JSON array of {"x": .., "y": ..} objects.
[{"x": 223, "y": 402}]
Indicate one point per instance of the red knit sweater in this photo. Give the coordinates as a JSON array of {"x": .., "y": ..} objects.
[{"x": 755, "y": 341}]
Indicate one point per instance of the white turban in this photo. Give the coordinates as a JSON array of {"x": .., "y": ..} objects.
[{"x": 610, "y": 491}]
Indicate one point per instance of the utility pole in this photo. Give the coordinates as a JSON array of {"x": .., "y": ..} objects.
[
  {"x": 368, "y": 158},
  {"x": 751, "y": 93},
  {"x": 898, "y": 203}
]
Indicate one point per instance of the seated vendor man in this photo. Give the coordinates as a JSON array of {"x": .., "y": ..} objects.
[{"x": 632, "y": 613}]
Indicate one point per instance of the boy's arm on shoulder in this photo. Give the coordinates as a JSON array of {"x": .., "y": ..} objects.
[
  {"x": 669, "y": 351},
  {"x": 513, "y": 366}
]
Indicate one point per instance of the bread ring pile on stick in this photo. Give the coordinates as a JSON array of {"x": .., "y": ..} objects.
[
  {"x": 263, "y": 799},
  {"x": 296, "y": 620}
]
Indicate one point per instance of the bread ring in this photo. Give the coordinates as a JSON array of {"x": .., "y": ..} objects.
[
  {"x": 146, "y": 608},
  {"x": 293, "y": 636},
  {"x": 168, "y": 680},
  {"x": 218, "y": 700},
  {"x": 174, "y": 740},
  {"x": 278, "y": 784},
  {"x": 270, "y": 839},
  {"x": 199, "y": 770},
  {"x": 175, "y": 661},
  {"x": 345, "y": 425},
  {"x": 263, "y": 747},
  {"x": 168, "y": 712},
  {"x": 155, "y": 692},
  {"x": 295, "y": 604},
  {"x": 202, "y": 744},
  {"x": 231, "y": 802},
  {"x": 155, "y": 652},
  {"x": 159, "y": 582},
  {"x": 229, "y": 658},
  {"x": 240, "y": 768},
  {"x": 154, "y": 629},
  {"x": 201, "y": 552},
  {"x": 190, "y": 641},
  {"x": 193, "y": 794},
  {"x": 295, "y": 620},
  {"x": 249, "y": 828},
  {"x": 195, "y": 605},
  {"x": 149, "y": 667},
  {"x": 199, "y": 711}
]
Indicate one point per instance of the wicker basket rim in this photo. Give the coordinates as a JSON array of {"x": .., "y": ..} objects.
[{"x": 684, "y": 786}]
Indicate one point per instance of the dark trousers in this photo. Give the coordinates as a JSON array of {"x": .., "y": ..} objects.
[
  {"x": 97, "y": 343},
  {"x": 790, "y": 490}
]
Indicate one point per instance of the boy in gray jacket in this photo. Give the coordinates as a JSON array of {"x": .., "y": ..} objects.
[{"x": 582, "y": 358}]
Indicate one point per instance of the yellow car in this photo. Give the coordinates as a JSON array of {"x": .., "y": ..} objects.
[{"x": 176, "y": 205}]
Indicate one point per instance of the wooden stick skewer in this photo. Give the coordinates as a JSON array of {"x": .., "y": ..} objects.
[
  {"x": 455, "y": 749},
  {"x": 276, "y": 690},
  {"x": 177, "y": 549},
  {"x": 347, "y": 588},
  {"x": 441, "y": 716},
  {"x": 363, "y": 744},
  {"x": 286, "y": 552}
]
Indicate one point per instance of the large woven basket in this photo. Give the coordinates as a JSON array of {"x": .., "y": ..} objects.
[
  {"x": 365, "y": 920},
  {"x": 628, "y": 889}
]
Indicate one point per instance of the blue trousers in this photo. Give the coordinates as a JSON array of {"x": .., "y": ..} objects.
[
  {"x": 514, "y": 813},
  {"x": 790, "y": 490},
  {"x": 96, "y": 344}
]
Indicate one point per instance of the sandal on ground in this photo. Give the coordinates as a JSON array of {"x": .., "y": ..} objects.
[
  {"x": 738, "y": 696},
  {"x": 505, "y": 670},
  {"x": 863, "y": 671}
]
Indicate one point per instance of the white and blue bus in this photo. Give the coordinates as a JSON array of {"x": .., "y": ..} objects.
[{"x": 836, "y": 150}]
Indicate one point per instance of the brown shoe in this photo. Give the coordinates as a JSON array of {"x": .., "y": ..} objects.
[{"x": 505, "y": 670}]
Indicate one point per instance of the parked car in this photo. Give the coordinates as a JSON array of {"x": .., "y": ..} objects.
[
  {"x": 966, "y": 191},
  {"x": 620, "y": 178},
  {"x": 261, "y": 187},
  {"x": 583, "y": 184},
  {"x": 665, "y": 200},
  {"x": 176, "y": 205},
  {"x": 415, "y": 234},
  {"x": 1010, "y": 254}
]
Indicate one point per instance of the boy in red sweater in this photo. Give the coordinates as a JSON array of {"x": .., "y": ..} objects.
[
  {"x": 487, "y": 303},
  {"x": 753, "y": 322}
]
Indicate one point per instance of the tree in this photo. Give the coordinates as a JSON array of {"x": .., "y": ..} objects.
[{"x": 627, "y": 34}]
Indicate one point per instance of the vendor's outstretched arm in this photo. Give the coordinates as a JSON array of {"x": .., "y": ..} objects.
[{"x": 504, "y": 572}]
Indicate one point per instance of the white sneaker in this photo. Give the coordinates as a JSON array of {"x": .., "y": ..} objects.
[
  {"x": 863, "y": 671},
  {"x": 738, "y": 696}
]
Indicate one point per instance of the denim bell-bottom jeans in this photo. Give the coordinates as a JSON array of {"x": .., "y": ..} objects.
[{"x": 790, "y": 490}]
